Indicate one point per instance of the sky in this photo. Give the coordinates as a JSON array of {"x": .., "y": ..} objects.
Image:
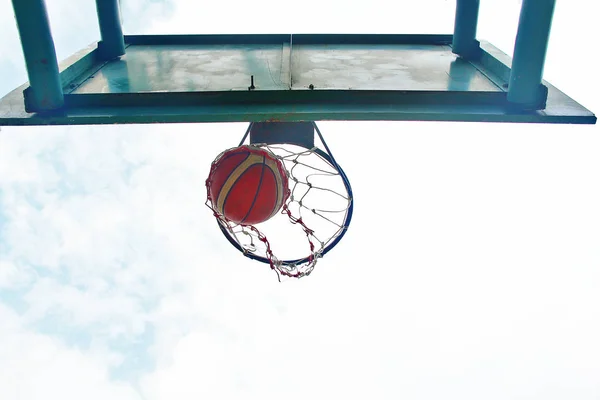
[{"x": 471, "y": 268}]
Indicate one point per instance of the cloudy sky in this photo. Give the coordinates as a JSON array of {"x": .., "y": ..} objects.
[{"x": 471, "y": 270}]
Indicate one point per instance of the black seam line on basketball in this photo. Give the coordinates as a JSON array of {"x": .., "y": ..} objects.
[
  {"x": 275, "y": 208},
  {"x": 229, "y": 175},
  {"x": 262, "y": 173},
  {"x": 269, "y": 170}
]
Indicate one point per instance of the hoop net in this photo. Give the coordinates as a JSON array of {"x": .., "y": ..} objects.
[{"x": 313, "y": 217}]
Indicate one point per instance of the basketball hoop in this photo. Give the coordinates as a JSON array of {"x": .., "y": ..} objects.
[{"x": 316, "y": 213}]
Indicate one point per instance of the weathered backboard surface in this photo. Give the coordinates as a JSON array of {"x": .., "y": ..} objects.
[{"x": 217, "y": 78}]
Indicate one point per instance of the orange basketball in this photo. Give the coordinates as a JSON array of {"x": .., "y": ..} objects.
[{"x": 247, "y": 185}]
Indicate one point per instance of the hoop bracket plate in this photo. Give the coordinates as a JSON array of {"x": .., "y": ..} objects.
[{"x": 296, "y": 133}]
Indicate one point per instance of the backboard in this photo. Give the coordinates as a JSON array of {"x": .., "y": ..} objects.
[{"x": 288, "y": 77}]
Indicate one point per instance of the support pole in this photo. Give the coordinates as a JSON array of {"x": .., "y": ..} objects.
[
  {"x": 45, "y": 89},
  {"x": 465, "y": 29},
  {"x": 109, "y": 18},
  {"x": 525, "y": 87}
]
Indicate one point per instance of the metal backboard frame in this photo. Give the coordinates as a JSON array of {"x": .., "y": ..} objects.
[{"x": 287, "y": 77}]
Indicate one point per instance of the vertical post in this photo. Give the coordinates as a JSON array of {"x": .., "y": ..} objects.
[
  {"x": 45, "y": 89},
  {"x": 465, "y": 29},
  {"x": 109, "y": 18},
  {"x": 525, "y": 88}
]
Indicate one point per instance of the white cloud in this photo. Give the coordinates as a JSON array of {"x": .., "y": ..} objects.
[
  {"x": 11, "y": 277},
  {"x": 34, "y": 366}
]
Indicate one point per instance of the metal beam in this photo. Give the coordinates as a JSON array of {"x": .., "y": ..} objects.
[
  {"x": 299, "y": 39},
  {"x": 525, "y": 87},
  {"x": 45, "y": 91},
  {"x": 464, "y": 41},
  {"x": 109, "y": 18},
  {"x": 466, "y": 90}
]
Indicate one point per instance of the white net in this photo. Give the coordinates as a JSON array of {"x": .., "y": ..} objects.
[{"x": 314, "y": 217}]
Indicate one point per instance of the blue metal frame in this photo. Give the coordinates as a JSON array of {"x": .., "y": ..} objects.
[
  {"x": 525, "y": 88},
  {"x": 519, "y": 95},
  {"x": 464, "y": 42},
  {"x": 45, "y": 90},
  {"x": 297, "y": 39},
  {"x": 109, "y": 19}
]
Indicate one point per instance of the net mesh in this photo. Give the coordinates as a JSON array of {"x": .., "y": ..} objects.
[{"x": 315, "y": 214}]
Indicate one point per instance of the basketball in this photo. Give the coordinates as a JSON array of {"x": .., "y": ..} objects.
[{"x": 247, "y": 185}]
